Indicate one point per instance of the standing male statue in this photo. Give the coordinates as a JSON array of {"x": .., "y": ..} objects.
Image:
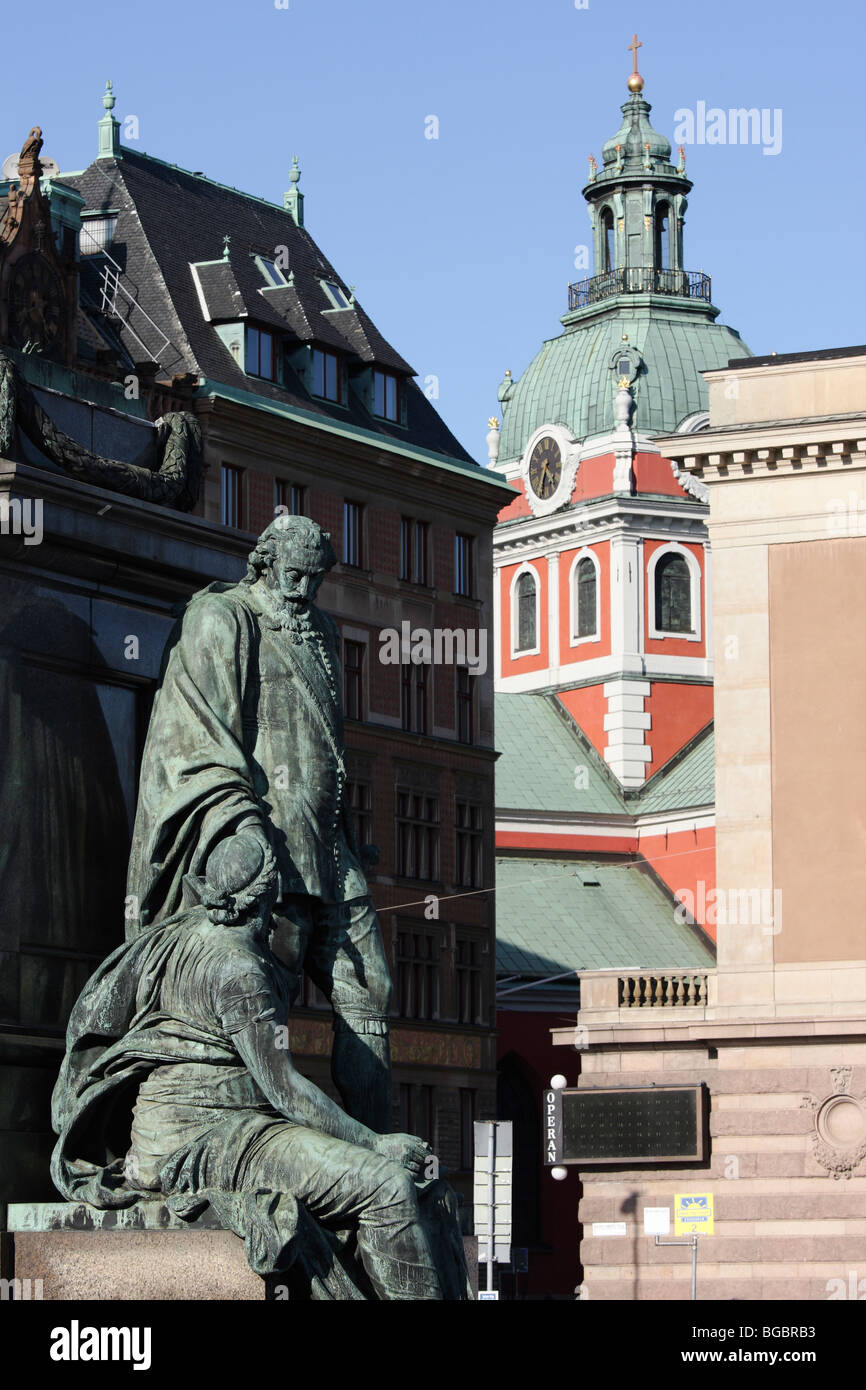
[
  {"x": 177, "y": 1080},
  {"x": 247, "y": 734}
]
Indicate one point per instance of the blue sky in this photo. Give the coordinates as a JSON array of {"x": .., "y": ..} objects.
[{"x": 461, "y": 247}]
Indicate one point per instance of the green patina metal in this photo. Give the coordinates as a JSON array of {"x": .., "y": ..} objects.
[
  {"x": 109, "y": 127},
  {"x": 642, "y": 300},
  {"x": 178, "y": 1082}
]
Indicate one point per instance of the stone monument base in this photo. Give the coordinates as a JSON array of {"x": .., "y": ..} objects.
[{"x": 68, "y": 1250}]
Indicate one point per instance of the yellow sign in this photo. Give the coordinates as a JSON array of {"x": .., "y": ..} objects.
[{"x": 693, "y": 1214}]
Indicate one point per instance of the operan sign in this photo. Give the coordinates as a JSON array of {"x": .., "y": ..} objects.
[{"x": 625, "y": 1125}]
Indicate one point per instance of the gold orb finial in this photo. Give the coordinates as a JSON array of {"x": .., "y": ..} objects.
[{"x": 635, "y": 81}]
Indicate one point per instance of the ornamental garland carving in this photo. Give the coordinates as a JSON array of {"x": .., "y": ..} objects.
[{"x": 174, "y": 481}]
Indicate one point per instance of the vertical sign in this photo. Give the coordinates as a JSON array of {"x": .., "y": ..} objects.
[
  {"x": 552, "y": 1127},
  {"x": 499, "y": 1189}
]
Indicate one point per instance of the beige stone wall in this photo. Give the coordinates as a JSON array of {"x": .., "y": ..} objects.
[
  {"x": 784, "y": 1228},
  {"x": 785, "y": 461}
]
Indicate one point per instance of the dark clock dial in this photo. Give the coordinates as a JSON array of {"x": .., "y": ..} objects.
[
  {"x": 35, "y": 303},
  {"x": 545, "y": 468}
]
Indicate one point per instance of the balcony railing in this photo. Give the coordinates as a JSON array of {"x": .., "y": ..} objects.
[
  {"x": 686, "y": 990},
  {"x": 683, "y": 284}
]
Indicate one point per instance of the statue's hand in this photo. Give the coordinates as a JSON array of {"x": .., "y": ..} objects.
[
  {"x": 407, "y": 1149},
  {"x": 369, "y": 857}
]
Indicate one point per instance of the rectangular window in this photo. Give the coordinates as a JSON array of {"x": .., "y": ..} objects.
[
  {"x": 414, "y": 696},
  {"x": 259, "y": 353},
  {"x": 417, "y": 962},
  {"x": 413, "y": 550},
  {"x": 465, "y": 722},
  {"x": 352, "y": 533},
  {"x": 386, "y": 396},
  {"x": 353, "y": 679},
  {"x": 359, "y": 799},
  {"x": 416, "y": 1110},
  {"x": 231, "y": 495},
  {"x": 463, "y": 580},
  {"x": 469, "y": 869},
  {"x": 405, "y": 548},
  {"x": 469, "y": 980},
  {"x": 289, "y": 498},
  {"x": 327, "y": 376},
  {"x": 97, "y": 234},
  {"x": 467, "y": 1129},
  {"x": 418, "y": 831}
]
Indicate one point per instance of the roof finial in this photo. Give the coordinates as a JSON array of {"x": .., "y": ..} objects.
[
  {"x": 293, "y": 200},
  {"x": 635, "y": 82},
  {"x": 109, "y": 126},
  {"x": 227, "y": 245}
]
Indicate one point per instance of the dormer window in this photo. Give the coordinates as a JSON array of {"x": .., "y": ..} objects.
[
  {"x": 327, "y": 376},
  {"x": 97, "y": 234},
  {"x": 338, "y": 297},
  {"x": 271, "y": 271},
  {"x": 386, "y": 395},
  {"x": 259, "y": 353}
]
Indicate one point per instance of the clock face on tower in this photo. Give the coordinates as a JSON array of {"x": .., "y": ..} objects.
[
  {"x": 35, "y": 303},
  {"x": 545, "y": 467}
]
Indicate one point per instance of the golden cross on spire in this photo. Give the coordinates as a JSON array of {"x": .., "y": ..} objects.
[{"x": 633, "y": 48}]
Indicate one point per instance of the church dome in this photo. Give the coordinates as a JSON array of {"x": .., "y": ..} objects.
[
  {"x": 633, "y": 137},
  {"x": 643, "y": 315},
  {"x": 572, "y": 380}
]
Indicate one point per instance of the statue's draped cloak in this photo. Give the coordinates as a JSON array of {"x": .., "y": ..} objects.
[
  {"x": 245, "y": 728},
  {"x": 118, "y": 1034}
]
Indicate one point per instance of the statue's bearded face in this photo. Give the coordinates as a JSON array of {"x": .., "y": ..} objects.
[{"x": 297, "y": 580}]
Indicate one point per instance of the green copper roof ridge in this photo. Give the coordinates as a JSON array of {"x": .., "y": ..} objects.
[
  {"x": 205, "y": 178},
  {"x": 208, "y": 387}
]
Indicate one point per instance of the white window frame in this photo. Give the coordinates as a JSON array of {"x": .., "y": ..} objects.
[
  {"x": 573, "y": 640},
  {"x": 517, "y": 653},
  {"x": 696, "y": 635}
]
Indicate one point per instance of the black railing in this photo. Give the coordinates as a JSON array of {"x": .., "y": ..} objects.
[{"x": 684, "y": 284}]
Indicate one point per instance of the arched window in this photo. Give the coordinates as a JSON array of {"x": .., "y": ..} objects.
[
  {"x": 663, "y": 237},
  {"x": 673, "y": 596},
  {"x": 527, "y": 627},
  {"x": 608, "y": 242},
  {"x": 586, "y": 599}
]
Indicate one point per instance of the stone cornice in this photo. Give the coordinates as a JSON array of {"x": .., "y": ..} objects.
[{"x": 777, "y": 447}]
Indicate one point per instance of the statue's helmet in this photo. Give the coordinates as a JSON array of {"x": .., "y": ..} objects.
[{"x": 298, "y": 541}]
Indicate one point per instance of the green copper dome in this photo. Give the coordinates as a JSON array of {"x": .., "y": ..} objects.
[
  {"x": 643, "y": 315},
  {"x": 572, "y": 380}
]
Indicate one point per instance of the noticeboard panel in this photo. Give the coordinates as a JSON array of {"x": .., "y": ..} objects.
[{"x": 625, "y": 1125}]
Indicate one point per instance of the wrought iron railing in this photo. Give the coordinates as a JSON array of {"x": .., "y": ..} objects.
[
  {"x": 663, "y": 990},
  {"x": 683, "y": 284}
]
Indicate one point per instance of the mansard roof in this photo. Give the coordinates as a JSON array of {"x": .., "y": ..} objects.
[{"x": 170, "y": 221}]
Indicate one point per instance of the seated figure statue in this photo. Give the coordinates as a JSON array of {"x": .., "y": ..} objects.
[{"x": 177, "y": 1084}]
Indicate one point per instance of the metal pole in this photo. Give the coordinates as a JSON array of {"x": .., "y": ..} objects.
[
  {"x": 693, "y": 1242},
  {"x": 491, "y": 1200}
]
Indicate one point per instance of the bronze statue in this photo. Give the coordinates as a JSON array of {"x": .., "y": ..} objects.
[
  {"x": 185, "y": 1024},
  {"x": 247, "y": 732},
  {"x": 177, "y": 1079}
]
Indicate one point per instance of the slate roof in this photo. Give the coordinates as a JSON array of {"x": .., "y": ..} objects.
[
  {"x": 556, "y": 915},
  {"x": 169, "y": 219},
  {"x": 541, "y": 745}
]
